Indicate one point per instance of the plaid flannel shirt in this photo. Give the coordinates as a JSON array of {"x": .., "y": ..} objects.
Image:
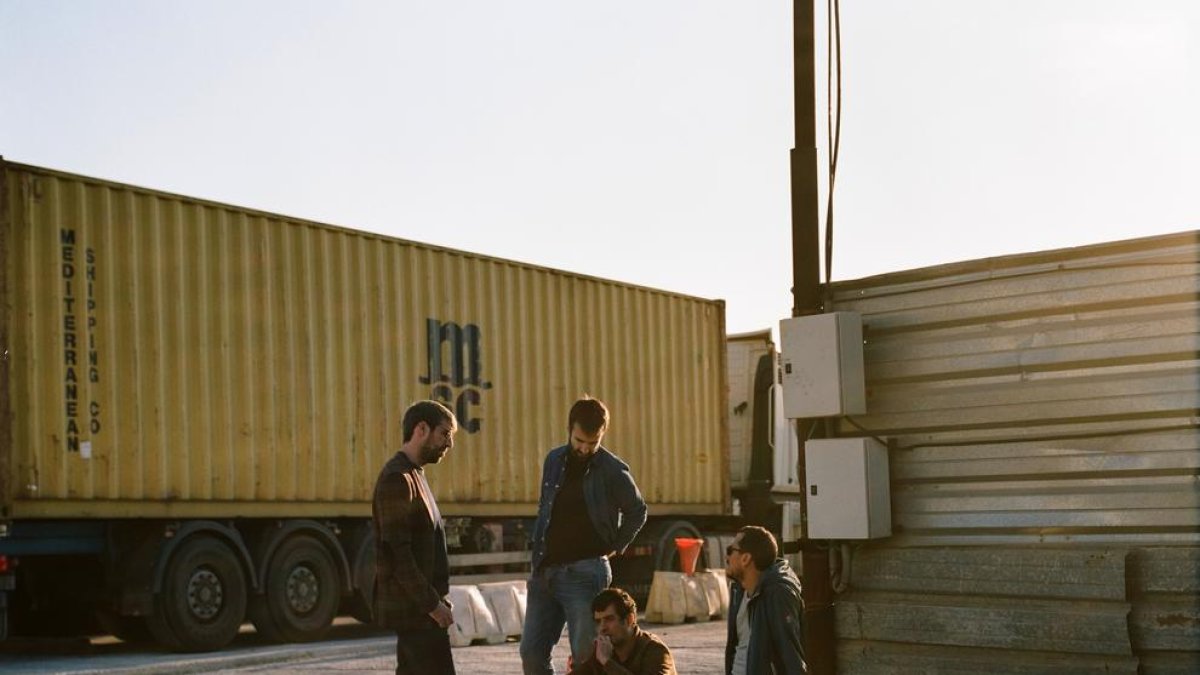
[{"x": 405, "y": 549}]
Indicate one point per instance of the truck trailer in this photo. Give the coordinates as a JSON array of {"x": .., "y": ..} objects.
[{"x": 197, "y": 398}]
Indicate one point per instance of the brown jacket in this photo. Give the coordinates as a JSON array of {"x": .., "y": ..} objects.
[
  {"x": 407, "y": 549},
  {"x": 649, "y": 657}
]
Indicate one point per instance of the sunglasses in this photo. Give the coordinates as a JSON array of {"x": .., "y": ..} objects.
[{"x": 730, "y": 549}]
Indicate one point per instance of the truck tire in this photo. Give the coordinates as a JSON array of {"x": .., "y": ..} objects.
[
  {"x": 203, "y": 597},
  {"x": 666, "y": 555},
  {"x": 301, "y": 593},
  {"x": 130, "y": 629}
]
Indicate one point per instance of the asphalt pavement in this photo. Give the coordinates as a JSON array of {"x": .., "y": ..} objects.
[{"x": 699, "y": 649}]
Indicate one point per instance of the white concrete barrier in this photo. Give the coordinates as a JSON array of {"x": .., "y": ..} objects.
[
  {"x": 473, "y": 618},
  {"x": 695, "y": 600},
  {"x": 716, "y": 590},
  {"x": 462, "y": 631},
  {"x": 507, "y": 604},
  {"x": 667, "y": 602}
]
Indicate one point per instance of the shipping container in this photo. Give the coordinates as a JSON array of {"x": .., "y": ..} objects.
[{"x": 177, "y": 371}]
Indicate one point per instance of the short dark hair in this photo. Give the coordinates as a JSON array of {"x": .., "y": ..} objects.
[
  {"x": 760, "y": 544},
  {"x": 431, "y": 413},
  {"x": 621, "y": 602},
  {"x": 590, "y": 414}
]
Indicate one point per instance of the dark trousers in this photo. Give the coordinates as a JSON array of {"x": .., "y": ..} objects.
[{"x": 424, "y": 652}]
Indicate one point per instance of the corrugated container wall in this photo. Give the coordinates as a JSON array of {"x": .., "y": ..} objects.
[{"x": 173, "y": 357}]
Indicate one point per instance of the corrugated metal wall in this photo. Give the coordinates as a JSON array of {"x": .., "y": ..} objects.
[
  {"x": 1034, "y": 400},
  {"x": 178, "y": 357}
]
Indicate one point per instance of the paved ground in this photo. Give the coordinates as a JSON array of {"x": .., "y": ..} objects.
[{"x": 699, "y": 649}]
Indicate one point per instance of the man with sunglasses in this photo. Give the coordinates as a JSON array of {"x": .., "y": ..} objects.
[
  {"x": 412, "y": 569},
  {"x": 765, "y": 608}
]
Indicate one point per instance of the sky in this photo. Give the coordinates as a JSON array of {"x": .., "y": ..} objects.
[{"x": 643, "y": 141}]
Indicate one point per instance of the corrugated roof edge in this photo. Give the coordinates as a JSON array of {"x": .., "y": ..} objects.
[{"x": 1016, "y": 260}]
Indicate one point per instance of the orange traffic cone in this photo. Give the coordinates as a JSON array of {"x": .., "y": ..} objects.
[{"x": 689, "y": 553}]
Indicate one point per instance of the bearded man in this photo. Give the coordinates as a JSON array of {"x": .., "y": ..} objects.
[
  {"x": 412, "y": 569},
  {"x": 589, "y": 511}
]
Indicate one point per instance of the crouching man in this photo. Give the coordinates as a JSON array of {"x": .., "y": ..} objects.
[{"x": 621, "y": 646}]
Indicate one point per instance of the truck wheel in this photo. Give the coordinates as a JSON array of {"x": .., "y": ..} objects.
[
  {"x": 131, "y": 629},
  {"x": 301, "y": 593},
  {"x": 203, "y": 598},
  {"x": 666, "y": 554}
]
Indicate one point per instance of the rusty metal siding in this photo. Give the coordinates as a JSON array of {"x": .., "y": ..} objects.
[
  {"x": 882, "y": 658},
  {"x": 1164, "y": 583},
  {"x": 244, "y": 363},
  {"x": 1049, "y": 397},
  {"x": 1044, "y": 407},
  {"x": 986, "y": 609}
]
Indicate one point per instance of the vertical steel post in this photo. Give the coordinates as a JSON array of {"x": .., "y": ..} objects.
[
  {"x": 806, "y": 273},
  {"x": 820, "y": 641}
]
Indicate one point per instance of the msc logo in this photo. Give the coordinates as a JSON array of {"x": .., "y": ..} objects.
[{"x": 459, "y": 385}]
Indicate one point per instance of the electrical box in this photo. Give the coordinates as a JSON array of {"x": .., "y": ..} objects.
[
  {"x": 847, "y": 492},
  {"x": 821, "y": 364}
]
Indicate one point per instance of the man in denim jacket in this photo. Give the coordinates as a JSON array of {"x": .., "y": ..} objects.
[{"x": 590, "y": 510}]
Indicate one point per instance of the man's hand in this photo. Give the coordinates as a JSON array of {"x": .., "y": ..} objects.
[
  {"x": 604, "y": 649},
  {"x": 442, "y": 615}
]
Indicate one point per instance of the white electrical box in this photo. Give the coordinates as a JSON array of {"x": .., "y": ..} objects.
[
  {"x": 847, "y": 491},
  {"x": 821, "y": 364}
]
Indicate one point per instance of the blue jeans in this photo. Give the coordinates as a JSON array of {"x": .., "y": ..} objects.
[{"x": 557, "y": 595}]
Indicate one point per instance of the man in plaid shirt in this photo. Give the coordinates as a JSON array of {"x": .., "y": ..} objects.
[{"x": 412, "y": 570}]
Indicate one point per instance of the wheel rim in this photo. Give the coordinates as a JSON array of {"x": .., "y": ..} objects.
[
  {"x": 205, "y": 595},
  {"x": 303, "y": 589}
]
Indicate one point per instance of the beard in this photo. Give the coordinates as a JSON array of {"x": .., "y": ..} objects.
[{"x": 433, "y": 453}]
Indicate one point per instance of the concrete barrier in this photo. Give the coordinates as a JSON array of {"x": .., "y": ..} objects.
[
  {"x": 695, "y": 601},
  {"x": 489, "y": 613},
  {"x": 506, "y": 599},
  {"x": 473, "y": 618},
  {"x": 716, "y": 590},
  {"x": 668, "y": 598}
]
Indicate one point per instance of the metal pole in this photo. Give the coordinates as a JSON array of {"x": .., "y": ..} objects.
[
  {"x": 820, "y": 640},
  {"x": 806, "y": 279}
]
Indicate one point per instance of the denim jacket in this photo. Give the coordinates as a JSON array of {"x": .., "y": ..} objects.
[{"x": 613, "y": 501}]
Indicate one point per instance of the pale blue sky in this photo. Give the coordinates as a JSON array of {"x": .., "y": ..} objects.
[{"x": 643, "y": 141}]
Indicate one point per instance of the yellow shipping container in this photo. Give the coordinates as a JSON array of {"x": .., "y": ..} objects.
[{"x": 168, "y": 357}]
